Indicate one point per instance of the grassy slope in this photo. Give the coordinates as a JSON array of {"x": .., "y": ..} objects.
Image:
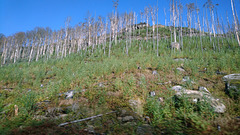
[{"x": 121, "y": 76}]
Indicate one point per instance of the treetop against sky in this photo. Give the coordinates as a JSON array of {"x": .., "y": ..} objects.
[{"x": 25, "y": 15}]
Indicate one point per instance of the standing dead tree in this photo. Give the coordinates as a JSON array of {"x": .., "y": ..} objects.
[
  {"x": 115, "y": 24},
  {"x": 235, "y": 22},
  {"x": 153, "y": 11},
  {"x": 211, "y": 6},
  {"x": 191, "y": 8},
  {"x": 146, "y": 13}
]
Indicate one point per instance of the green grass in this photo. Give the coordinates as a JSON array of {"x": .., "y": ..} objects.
[{"x": 119, "y": 73}]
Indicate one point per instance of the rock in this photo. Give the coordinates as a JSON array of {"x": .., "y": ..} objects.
[
  {"x": 61, "y": 116},
  {"x": 123, "y": 112},
  {"x": 66, "y": 102},
  {"x": 187, "y": 80},
  {"x": 152, "y": 93},
  {"x": 147, "y": 119},
  {"x": 127, "y": 118},
  {"x": 41, "y": 85},
  {"x": 161, "y": 99},
  {"x": 53, "y": 111},
  {"x": 218, "y": 127},
  {"x": 232, "y": 85},
  {"x": 40, "y": 117},
  {"x": 218, "y": 107},
  {"x": 74, "y": 107},
  {"x": 180, "y": 59},
  {"x": 154, "y": 72},
  {"x": 169, "y": 82},
  {"x": 175, "y": 45},
  {"x": 131, "y": 124},
  {"x": 119, "y": 118},
  {"x": 204, "y": 89},
  {"x": 177, "y": 88},
  {"x": 137, "y": 106},
  {"x": 83, "y": 90},
  {"x": 218, "y": 72},
  {"x": 144, "y": 129},
  {"x": 69, "y": 94},
  {"x": 101, "y": 85},
  {"x": 231, "y": 77},
  {"x": 200, "y": 96},
  {"x": 180, "y": 69}
]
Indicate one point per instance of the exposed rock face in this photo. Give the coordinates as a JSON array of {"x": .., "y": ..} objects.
[
  {"x": 177, "y": 88},
  {"x": 201, "y": 96},
  {"x": 232, "y": 85},
  {"x": 175, "y": 45}
]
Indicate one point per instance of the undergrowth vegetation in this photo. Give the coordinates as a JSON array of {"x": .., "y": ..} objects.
[{"x": 105, "y": 83}]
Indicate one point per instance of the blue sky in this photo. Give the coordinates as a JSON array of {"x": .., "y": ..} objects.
[{"x": 24, "y": 15}]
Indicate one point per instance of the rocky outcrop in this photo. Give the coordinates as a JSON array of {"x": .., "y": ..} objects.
[
  {"x": 232, "y": 85},
  {"x": 194, "y": 96}
]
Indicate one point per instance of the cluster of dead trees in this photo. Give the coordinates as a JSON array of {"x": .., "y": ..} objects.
[{"x": 102, "y": 33}]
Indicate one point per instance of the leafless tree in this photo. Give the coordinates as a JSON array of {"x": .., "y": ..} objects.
[
  {"x": 191, "y": 7},
  {"x": 235, "y": 22}
]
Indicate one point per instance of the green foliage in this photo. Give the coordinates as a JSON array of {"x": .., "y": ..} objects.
[{"x": 85, "y": 71}]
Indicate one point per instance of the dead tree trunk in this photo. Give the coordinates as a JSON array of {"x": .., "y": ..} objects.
[{"x": 235, "y": 22}]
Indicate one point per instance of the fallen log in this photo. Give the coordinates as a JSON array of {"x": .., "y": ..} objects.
[{"x": 89, "y": 118}]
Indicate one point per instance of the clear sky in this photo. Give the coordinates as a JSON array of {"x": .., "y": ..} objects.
[{"x": 24, "y": 15}]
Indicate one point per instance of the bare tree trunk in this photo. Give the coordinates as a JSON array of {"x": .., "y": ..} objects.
[
  {"x": 38, "y": 50},
  {"x": 31, "y": 53},
  {"x": 235, "y": 22},
  {"x": 153, "y": 15},
  {"x": 4, "y": 52},
  {"x": 126, "y": 31},
  {"x": 16, "y": 53},
  {"x": 200, "y": 34},
  {"x": 147, "y": 17},
  {"x": 174, "y": 22}
]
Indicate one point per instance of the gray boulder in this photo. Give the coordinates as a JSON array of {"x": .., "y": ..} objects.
[
  {"x": 69, "y": 94},
  {"x": 180, "y": 69},
  {"x": 232, "y": 85},
  {"x": 127, "y": 118},
  {"x": 177, "y": 88},
  {"x": 201, "y": 96}
]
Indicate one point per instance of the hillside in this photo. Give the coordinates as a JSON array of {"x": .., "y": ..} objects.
[{"x": 122, "y": 94}]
